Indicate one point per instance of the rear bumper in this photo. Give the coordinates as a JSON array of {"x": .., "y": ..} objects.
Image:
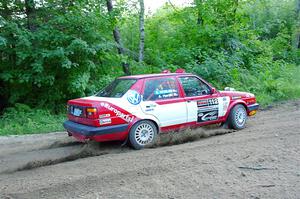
[
  {"x": 90, "y": 131},
  {"x": 253, "y": 107}
]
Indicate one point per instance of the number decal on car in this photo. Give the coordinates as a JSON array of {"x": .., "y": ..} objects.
[{"x": 213, "y": 101}]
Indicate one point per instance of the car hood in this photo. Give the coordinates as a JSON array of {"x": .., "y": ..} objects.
[{"x": 236, "y": 94}]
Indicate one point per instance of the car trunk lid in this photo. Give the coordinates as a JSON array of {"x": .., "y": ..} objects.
[{"x": 95, "y": 111}]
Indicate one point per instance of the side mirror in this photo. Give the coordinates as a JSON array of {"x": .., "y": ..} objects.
[{"x": 213, "y": 90}]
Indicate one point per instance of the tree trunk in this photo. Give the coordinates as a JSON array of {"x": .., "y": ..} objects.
[
  {"x": 199, "y": 11},
  {"x": 30, "y": 13},
  {"x": 117, "y": 37},
  {"x": 236, "y": 5},
  {"x": 298, "y": 26},
  {"x": 175, "y": 9},
  {"x": 142, "y": 31},
  {"x": 6, "y": 13},
  {"x": 298, "y": 9}
]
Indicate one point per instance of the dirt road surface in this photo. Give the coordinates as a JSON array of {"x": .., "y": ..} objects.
[{"x": 261, "y": 161}]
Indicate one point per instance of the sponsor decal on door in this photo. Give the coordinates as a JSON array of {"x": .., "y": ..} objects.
[{"x": 208, "y": 109}]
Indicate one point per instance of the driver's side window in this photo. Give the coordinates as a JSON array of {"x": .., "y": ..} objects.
[
  {"x": 193, "y": 86},
  {"x": 160, "y": 89}
]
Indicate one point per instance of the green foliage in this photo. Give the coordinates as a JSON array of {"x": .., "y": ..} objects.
[
  {"x": 65, "y": 49},
  {"x": 67, "y": 52},
  {"x": 246, "y": 46},
  {"x": 21, "y": 119}
]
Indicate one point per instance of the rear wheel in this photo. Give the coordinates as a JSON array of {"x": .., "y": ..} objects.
[
  {"x": 237, "y": 117},
  {"x": 142, "y": 134}
]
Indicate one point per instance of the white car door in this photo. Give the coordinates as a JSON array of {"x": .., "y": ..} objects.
[{"x": 161, "y": 99}]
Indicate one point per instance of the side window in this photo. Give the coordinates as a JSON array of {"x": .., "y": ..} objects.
[
  {"x": 193, "y": 86},
  {"x": 162, "y": 88}
]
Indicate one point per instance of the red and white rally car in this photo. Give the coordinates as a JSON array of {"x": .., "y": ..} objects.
[{"x": 137, "y": 108}]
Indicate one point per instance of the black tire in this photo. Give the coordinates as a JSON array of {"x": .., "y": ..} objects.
[
  {"x": 237, "y": 117},
  {"x": 142, "y": 134}
]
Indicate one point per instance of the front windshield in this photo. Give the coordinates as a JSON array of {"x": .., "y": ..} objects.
[{"x": 117, "y": 88}]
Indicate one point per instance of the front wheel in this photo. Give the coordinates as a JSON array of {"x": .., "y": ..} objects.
[
  {"x": 142, "y": 134},
  {"x": 237, "y": 117}
]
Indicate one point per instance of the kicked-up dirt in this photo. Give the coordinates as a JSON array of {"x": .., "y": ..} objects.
[{"x": 261, "y": 161}]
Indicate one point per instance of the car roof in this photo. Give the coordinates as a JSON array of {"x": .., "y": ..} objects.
[{"x": 153, "y": 75}]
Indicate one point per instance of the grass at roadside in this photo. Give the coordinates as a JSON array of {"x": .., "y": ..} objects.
[
  {"x": 279, "y": 84},
  {"x": 282, "y": 88},
  {"x": 21, "y": 119}
]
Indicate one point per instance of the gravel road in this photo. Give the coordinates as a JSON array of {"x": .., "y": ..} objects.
[{"x": 261, "y": 161}]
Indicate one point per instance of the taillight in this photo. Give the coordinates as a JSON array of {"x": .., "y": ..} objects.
[{"x": 91, "y": 113}]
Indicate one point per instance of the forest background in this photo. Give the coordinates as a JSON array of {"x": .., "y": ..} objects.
[{"x": 55, "y": 50}]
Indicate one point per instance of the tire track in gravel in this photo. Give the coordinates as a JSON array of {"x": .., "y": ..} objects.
[
  {"x": 179, "y": 160},
  {"x": 65, "y": 151},
  {"x": 54, "y": 154},
  {"x": 210, "y": 167}
]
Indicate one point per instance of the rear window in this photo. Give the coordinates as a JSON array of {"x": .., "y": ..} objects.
[{"x": 117, "y": 88}]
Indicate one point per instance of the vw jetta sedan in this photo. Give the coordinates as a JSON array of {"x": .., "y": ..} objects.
[{"x": 136, "y": 108}]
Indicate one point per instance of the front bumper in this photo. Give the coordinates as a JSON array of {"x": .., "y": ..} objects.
[
  {"x": 88, "y": 131},
  {"x": 253, "y": 107}
]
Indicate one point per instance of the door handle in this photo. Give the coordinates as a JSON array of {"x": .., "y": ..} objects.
[
  {"x": 189, "y": 101},
  {"x": 151, "y": 106}
]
